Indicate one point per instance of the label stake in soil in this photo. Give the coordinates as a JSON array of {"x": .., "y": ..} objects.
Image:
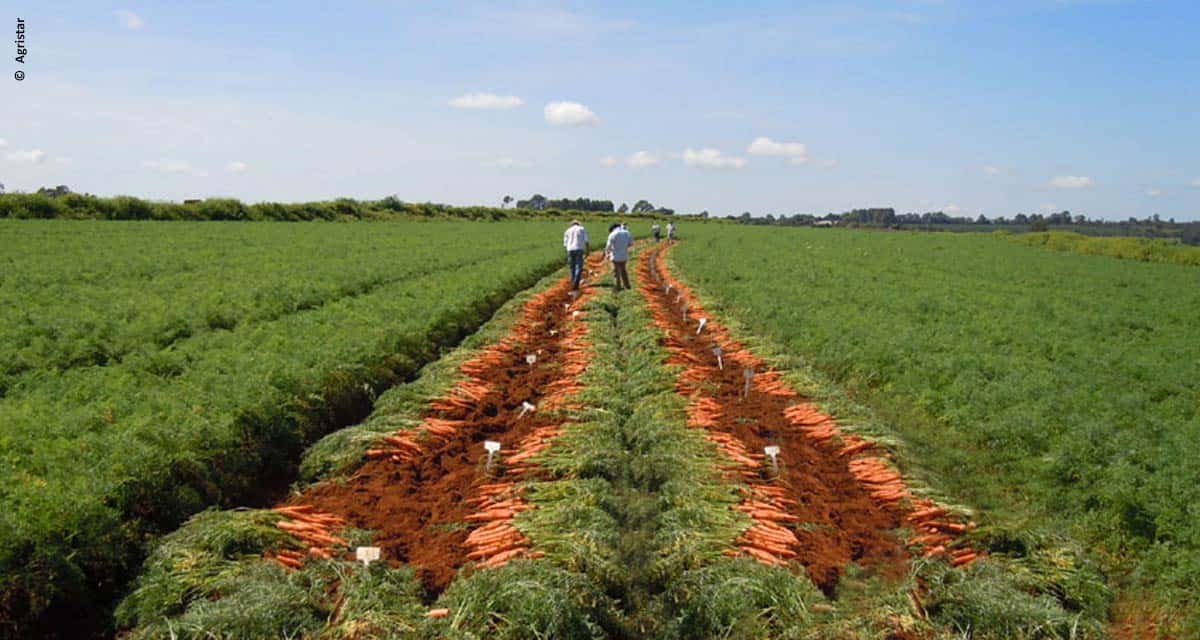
[
  {"x": 531, "y": 359},
  {"x": 492, "y": 448},
  {"x": 773, "y": 453},
  {"x": 720, "y": 363},
  {"x": 366, "y": 555},
  {"x": 703, "y": 321},
  {"x": 749, "y": 375},
  {"x": 526, "y": 407},
  {"x": 685, "y": 313}
]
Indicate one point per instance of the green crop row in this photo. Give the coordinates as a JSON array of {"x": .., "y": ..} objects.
[
  {"x": 1054, "y": 390},
  {"x": 84, "y": 293},
  {"x": 1143, "y": 249},
  {"x": 96, "y": 461}
]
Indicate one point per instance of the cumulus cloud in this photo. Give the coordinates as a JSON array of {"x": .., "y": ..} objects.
[
  {"x": 33, "y": 156},
  {"x": 608, "y": 161},
  {"x": 951, "y": 209},
  {"x": 642, "y": 159},
  {"x": 570, "y": 114},
  {"x": 991, "y": 171},
  {"x": 485, "y": 101},
  {"x": 1071, "y": 182},
  {"x": 507, "y": 163},
  {"x": 711, "y": 159},
  {"x": 795, "y": 152},
  {"x": 1153, "y": 192},
  {"x": 130, "y": 20},
  {"x": 236, "y": 166}
]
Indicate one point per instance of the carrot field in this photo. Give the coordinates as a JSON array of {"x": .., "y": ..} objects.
[
  {"x": 1055, "y": 391},
  {"x": 212, "y": 430}
]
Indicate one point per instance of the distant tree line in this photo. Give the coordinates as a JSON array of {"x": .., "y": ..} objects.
[
  {"x": 61, "y": 202},
  {"x": 539, "y": 202},
  {"x": 886, "y": 217}
]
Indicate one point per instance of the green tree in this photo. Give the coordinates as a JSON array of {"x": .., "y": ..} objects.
[{"x": 643, "y": 206}]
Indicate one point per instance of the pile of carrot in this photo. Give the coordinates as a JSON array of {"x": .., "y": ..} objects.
[
  {"x": 704, "y": 412},
  {"x": 312, "y": 529},
  {"x": 401, "y": 447},
  {"x": 497, "y": 541}
]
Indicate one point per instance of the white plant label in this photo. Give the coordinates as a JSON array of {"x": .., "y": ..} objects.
[
  {"x": 531, "y": 359},
  {"x": 703, "y": 321},
  {"x": 720, "y": 363},
  {"x": 366, "y": 555},
  {"x": 749, "y": 374},
  {"x": 526, "y": 407},
  {"x": 492, "y": 448},
  {"x": 773, "y": 453}
]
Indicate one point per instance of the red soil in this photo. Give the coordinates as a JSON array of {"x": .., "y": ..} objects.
[
  {"x": 843, "y": 494},
  {"x": 424, "y": 488}
]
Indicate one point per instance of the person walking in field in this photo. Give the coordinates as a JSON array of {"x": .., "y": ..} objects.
[
  {"x": 617, "y": 248},
  {"x": 656, "y": 231},
  {"x": 670, "y": 232},
  {"x": 576, "y": 242}
]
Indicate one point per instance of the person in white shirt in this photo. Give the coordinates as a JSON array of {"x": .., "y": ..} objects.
[
  {"x": 670, "y": 232},
  {"x": 575, "y": 241},
  {"x": 656, "y": 231},
  {"x": 617, "y": 248}
]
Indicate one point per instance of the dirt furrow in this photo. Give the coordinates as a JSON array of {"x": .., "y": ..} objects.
[
  {"x": 423, "y": 488},
  {"x": 828, "y": 499}
]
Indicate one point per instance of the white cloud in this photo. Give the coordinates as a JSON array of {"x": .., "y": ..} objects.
[
  {"x": 1153, "y": 192},
  {"x": 991, "y": 171},
  {"x": 485, "y": 101},
  {"x": 62, "y": 161},
  {"x": 711, "y": 159},
  {"x": 1071, "y": 182},
  {"x": 3, "y": 143},
  {"x": 33, "y": 156},
  {"x": 830, "y": 163},
  {"x": 570, "y": 114},
  {"x": 608, "y": 161},
  {"x": 175, "y": 167},
  {"x": 236, "y": 166},
  {"x": 507, "y": 163},
  {"x": 1196, "y": 183},
  {"x": 795, "y": 152},
  {"x": 130, "y": 20},
  {"x": 951, "y": 209},
  {"x": 642, "y": 159}
]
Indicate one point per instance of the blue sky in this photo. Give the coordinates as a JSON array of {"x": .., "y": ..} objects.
[{"x": 970, "y": 107}]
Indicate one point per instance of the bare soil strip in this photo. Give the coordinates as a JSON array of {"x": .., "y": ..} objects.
[
  {"x": 421, "y": 491},
  {"x": 835, "y": 498}
]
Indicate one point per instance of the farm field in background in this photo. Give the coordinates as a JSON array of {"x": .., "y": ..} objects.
[
  {"x": 152, "y": 369},
  {"x": 1052, "y": 390}
]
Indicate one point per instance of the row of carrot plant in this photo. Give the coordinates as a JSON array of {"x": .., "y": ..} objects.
[
  {"x": 1056, "y": 391},
  {"x": 100, "y": 458},
  {"x": 632, "y": 523}
]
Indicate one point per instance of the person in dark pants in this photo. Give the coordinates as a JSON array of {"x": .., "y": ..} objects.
[
  {"x": 575, "y": 241},
  {"x": 656, "y": 231}
]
